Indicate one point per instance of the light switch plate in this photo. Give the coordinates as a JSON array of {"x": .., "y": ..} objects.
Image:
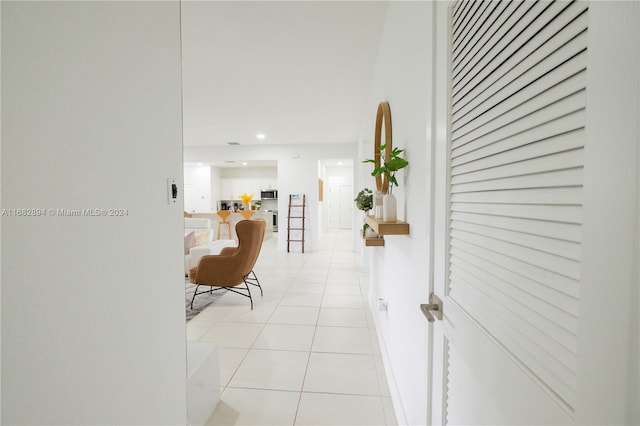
[{"x": 172, "y": 191}]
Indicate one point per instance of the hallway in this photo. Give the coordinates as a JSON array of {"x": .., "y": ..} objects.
[{"x": 308, "y": 353}]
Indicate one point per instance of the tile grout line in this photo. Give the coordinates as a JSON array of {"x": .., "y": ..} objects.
[
  {"x": 306, "y": 369},
  {"x": 330, "y": 266}
]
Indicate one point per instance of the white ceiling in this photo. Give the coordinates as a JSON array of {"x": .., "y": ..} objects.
[
  {"x": 332, "y": 162},
  {"x": 235, "y": 163},
  {"x": 297, "y": 71}
]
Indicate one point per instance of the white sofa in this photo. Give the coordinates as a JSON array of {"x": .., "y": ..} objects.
[
  {"x": 214, "y": 247},
  {"x": 233, "y": 219},
  {"x": 203, "y": 243},
  {"x": 199, "y": 227}
]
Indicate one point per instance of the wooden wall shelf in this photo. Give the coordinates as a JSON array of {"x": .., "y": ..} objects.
[
  {"x": 372, "y": 241},
  {"x": 388, "y": 228}
]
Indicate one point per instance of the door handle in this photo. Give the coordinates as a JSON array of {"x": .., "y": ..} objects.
[{"x": 433, "y": 309}]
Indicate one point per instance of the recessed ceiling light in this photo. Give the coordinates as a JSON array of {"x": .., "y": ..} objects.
[
  {"x": 244, "y": 163},
  {"x": 200, "y": 164},
  {"x": 339, "y": 163},
  {"x": 260, "y": 136}
]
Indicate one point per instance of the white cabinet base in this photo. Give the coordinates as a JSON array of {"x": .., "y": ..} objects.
[{"x": 203, "y": 381}]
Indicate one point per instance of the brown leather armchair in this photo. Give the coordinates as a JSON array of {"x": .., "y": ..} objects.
[{"x": 234, "y": 265}]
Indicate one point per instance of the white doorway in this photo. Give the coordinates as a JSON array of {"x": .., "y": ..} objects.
[
  {"x": 340, "y": 203},
  {"x": 345, "y": 206},
  {"x": 337, "y": 208}
]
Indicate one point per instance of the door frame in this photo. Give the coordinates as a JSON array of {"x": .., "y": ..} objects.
[
  {"x": 440, "y": 137},
  {"x": 611, "y": 230}
]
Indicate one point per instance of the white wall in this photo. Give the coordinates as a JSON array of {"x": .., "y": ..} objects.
[
  {"x": 197, "y": 184},
  {"x": 249, "y": 172},
  {"x": 299, "y": 176},
  {"x": 93, "y": 324},
  {"x": 399, "y": 272},
  {"x": 0, "y": 225},
  {"x": 269, "y": 152}
]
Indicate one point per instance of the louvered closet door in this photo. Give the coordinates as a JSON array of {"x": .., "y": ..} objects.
[
  {"x": 517, "y": 140},
  {"x": 513, "y": 210}
]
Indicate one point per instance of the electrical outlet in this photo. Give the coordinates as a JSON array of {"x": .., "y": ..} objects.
[{"x": 382, "y": 305}]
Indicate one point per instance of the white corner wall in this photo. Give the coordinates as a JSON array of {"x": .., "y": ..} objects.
[
  {"x": 399, "y": 272},
  {"x": 299, "y": 176},
  {"x": 93, "y": 326},
  {"x": 0, "y": 221}
]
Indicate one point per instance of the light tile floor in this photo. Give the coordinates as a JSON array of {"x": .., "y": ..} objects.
[{"x": 308, "y": 353}]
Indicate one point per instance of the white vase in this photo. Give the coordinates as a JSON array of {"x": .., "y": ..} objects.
[
  {"x": 370, "y": 233},
  {"x": 377, "y": 204},
  {"x": 389, "y": 208}
]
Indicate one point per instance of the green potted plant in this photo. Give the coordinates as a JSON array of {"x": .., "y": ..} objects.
[
  {"x": 364, "y": 202},
  {"x": 389, "y": 166}
]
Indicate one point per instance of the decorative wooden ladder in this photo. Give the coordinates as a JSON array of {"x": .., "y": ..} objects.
[{"x": 295, "y": 220}]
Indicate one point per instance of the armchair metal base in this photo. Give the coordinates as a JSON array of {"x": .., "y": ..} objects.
[
  {"x": 247, "y": 280},
  {"x": 253, "y": 281}
]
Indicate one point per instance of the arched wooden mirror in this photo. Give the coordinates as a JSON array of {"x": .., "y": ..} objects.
[{"x": 383, "y": 125}]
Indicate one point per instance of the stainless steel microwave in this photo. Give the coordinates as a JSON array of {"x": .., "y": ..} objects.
[{"x": 269, "y": 194}]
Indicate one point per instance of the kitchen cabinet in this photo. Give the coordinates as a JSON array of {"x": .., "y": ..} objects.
[
  {"x": 253, "y": 187},
  {"x": 268, "y": 183},
  {"x": 233, "y": 187}
]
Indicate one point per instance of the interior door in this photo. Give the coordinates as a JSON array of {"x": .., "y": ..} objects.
[
  {"x": 334, "y": 205},
  {"x": 340, "y": 203},
  {"x": 345, "y": 206},
  {"x": 535, "y": 222}
]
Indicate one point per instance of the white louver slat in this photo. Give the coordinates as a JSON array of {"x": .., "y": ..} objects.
[
  {"x": 525, "y": 59},
  {"x": 517, "y": 138}
]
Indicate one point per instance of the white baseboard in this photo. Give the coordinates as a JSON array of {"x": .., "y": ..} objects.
[{"x": 396, "y": 400}]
